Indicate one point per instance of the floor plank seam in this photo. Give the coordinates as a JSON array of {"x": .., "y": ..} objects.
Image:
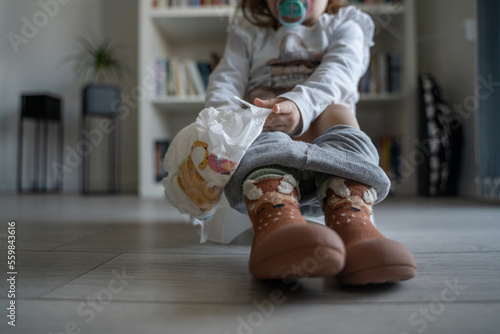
[
  {"x": 77, "y": 277},
  {"x": 468, "y": 252},
  {"x": 76, "y": 240},
  {"x": 188, "y": 253},
  {"x": 205, "y": 254},
  {"x": 64, "y": 251},
  {"x": 303, "y": 302}
]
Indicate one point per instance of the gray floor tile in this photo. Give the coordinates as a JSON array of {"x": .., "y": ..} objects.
[
  {"x": 38, "y": 273},
  {"x": 260, "y": 317},
  {"x": 43, "y": 237},
  {"x": 143, "y": 272},
  {"x": 217, "y": 278},
  {"x": 167, "y": 238}
]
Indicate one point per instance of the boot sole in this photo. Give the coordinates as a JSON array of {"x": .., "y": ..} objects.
[
  {"x": 377, "y": 261},
  {"x": 298, "y": 251}
]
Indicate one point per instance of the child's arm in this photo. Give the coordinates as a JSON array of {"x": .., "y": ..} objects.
[
  {"x": 285, "y": 117},
  {"x": 230, "y": 77},
  {"x": 335, "y": 80}
]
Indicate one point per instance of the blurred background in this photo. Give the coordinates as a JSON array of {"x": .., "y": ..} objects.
[{"x": 39, "y": 38}]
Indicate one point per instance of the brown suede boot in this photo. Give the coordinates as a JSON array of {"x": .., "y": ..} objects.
[
  {"x": 285, "y": 245},
  {"x": 370, "y": 257}
]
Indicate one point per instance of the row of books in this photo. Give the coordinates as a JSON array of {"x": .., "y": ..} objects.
[
  {"x": 161, "y": 147},
  {"x": 159, "y": 4},
  {"x": 383, "y": 74},
  {"x": 181, "y": 77},
  {"x": 390, "y": 150}
]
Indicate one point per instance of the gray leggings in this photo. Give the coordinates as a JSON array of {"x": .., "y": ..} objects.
[{"x": 342, "y": 151}]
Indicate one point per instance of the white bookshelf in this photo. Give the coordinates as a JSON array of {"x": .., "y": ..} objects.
[
  {"x": 194, "y": 32},
  {"x": 395, "y": 113},
  {"x": 185, "y": 32}
]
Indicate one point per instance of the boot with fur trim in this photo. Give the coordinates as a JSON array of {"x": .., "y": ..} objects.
[
  {"x": 285, "y": 245},
  {"x": 370, "y": 257}
]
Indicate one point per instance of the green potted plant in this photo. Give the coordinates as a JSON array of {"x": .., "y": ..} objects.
[{"x": 96, "y": 61}]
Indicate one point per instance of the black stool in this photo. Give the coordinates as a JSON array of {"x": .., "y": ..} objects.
[
  {"x": 102, "y": 101},
  {"x": 43, "y": 108}
]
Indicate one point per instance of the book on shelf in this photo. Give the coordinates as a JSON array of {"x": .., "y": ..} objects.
[
  {"x": 162, "y": 4},
  {"x": 180, "y": 77},
  {"x": 383, "y": 74},
  {"x": 390, "y": 150},
  {"x": 160, "y": 148}
]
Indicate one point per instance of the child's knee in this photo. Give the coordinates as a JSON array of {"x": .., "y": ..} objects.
[
  {"x": 338, "y": 114},
  {"x": 334, "y": 114}
]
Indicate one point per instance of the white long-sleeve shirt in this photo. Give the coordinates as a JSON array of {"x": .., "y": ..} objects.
[{"x": 312, "y": 66}]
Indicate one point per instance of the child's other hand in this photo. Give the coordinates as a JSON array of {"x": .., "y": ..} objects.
[{"x": 285, "y": 117}]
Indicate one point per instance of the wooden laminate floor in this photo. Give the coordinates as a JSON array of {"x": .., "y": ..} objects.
[{"x": 130, "y": 265}]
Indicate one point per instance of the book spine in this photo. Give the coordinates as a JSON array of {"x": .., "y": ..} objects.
[
  {"x": 395, "y": 72},
  {"x": 389, "y": 148},
  {"x": 196, "y": 78},
  {"x": 170, "y": 78},
  {"x": 205, "y": 70},
  {"x": 164, "y": 147},
  {"x": 382, "y": 81},
  {"x": 180, "y": 77},
  {"x": 157, "y": 161},
  {"x": 160, "y": 150},
  {"x": 373, "y": 75}
]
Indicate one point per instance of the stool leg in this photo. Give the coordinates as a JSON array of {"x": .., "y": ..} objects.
[
  {"x": 85, "y": 162},
  {"x": 20, "y": 156},
  {"x": 45, "y": 131},
  {"x": 60, "y": 141},
  {"x": 111, "y": 138},
  {"x": 84, "y": 159},
  {"x": 36, "y": 147},
  {"x": 117, "y": 156}
]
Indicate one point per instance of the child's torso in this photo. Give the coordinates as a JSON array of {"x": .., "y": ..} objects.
[{"x": 284, "y": 58}]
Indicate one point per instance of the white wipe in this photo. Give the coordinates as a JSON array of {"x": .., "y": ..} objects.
[{"x": 205, "y": 154}]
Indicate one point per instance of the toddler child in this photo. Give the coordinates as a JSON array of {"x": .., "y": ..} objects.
[{"x": 303, "y": 59}]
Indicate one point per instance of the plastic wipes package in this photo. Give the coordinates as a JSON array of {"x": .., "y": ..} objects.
[{"x": 203, "y": 156}]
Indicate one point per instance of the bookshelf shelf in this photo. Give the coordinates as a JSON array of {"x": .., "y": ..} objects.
[
  {"x": 382, "y": 97},
  {"x": 381, "y": 8},
  {"x": 190, "y": 25},
  {"x": 190, "y": 12},
  {"x": 194, "y": 33},
  {"x": 173, "y": 101}
]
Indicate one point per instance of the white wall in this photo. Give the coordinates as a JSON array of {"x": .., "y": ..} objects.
[
  {"x": 120, "y": 23},
  {"x": 445, "y": 53},
  {"x": 38, "y": 65}
]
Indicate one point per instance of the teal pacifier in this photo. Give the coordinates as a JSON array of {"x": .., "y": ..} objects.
[{"x": 292, "y": 13}]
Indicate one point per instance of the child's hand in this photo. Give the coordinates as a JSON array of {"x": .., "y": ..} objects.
[{"x": 285, "y": 117}]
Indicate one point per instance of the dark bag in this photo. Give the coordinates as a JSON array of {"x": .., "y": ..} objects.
[{"x": 440, "y": 141}]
